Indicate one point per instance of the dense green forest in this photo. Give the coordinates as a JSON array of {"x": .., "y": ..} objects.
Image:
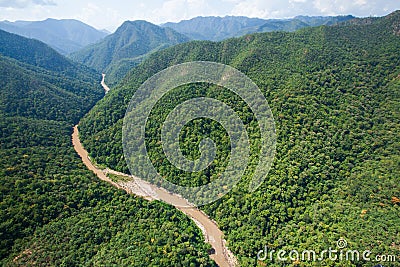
[
  {"x": 53, "y": 211},
  {"x": 334, "y": 93}
]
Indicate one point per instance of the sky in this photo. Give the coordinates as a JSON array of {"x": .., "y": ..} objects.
[{"x": 109, "y": 14}]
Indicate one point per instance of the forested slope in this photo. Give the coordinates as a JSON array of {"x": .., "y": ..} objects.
[
  {"x": 53, "y": 211},
  {"x": 334, "y": 92}
]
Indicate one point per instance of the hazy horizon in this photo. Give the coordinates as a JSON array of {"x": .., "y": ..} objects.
[{"x": 108, "y": 15}]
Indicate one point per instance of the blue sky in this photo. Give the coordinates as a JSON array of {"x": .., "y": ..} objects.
[{"x": 109, "y": 14}]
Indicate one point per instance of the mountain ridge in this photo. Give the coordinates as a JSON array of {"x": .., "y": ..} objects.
[
  {"x": 64, "y": 35},
  {"x": 125, "y": 48},
  {"x": 36, "y": 70},
  {"x": 215, "y": 28}
]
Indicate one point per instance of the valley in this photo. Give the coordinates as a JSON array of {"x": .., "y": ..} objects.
[
  {"x": 136, "y": 186},
  {"x": 212, "y": 234},
  {"x": 67, "y": 197},
  {"x": 53, "y": 210},
  {"x": 333, "y": 92}
]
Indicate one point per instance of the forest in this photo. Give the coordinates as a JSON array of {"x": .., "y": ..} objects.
[
  {"x": 53, "y": 211},
  {"x": 334, "y": 93}
]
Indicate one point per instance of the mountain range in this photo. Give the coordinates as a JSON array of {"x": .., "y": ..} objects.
[
  {"x": 220, "y": 28},
  {"x": 117, "y": 53},
  {"x": 66, "y": 35}
]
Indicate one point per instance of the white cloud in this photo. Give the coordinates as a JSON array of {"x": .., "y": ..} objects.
[
  {"x": 25, "y": 3},
  {"x": 291, "y": 8},
  {"x": 44, "y": 2},
  {"x": 271, "y": 9},
  {"x": 91, "y": 12},
  {"x": 361, "y": 2},
  {"x": 297, "y": 1},
  {"x": 359, "y": 8},
  {"x": 176, "y": 10},
  {"x": 251, "y": 9},
  {"x": 323, "y": 6}
]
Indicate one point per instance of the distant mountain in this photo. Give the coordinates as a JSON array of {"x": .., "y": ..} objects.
[
  {"x": 37, "y": 82},
  {"x": 290, "y": 25},
  {"x": 66, "y": 36},
  {"x": 119, "y": 52},
  {"x": 321, "y": 20},
  {"x": 297, "y": 23},
  {"x": 392, "y": 17},
  {"x": 214, "y": 28},
  {"x": 220, "y": 28}
]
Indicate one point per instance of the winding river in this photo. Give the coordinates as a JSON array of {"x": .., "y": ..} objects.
[{"x": 134, "y": 185}]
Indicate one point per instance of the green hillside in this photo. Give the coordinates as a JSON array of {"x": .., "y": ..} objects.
[
  {"x": 39, "y": 83},
  {"x": 334, "y": 93},
  {"x": 36, "y": 53},
  {"x": 33, "y": 92},
  {"x": 53, "y": 211},
  {"x": 116, "y": 54}
]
